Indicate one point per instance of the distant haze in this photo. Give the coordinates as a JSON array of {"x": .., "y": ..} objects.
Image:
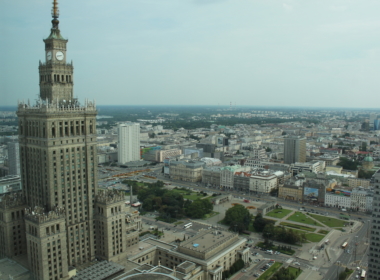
[{"x": 321, "y": 53}]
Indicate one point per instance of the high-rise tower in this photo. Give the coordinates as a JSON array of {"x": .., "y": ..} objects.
[
  {"x": 129, "y": 142},
  {"x": 294, "y": 149},
  {"x": 58, "y": 167}
]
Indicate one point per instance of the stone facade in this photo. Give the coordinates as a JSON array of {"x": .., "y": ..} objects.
[
  {"x": 189, "y": 171},
  {"x": 374, "y": 248},
  {"x": 290, "y": 192}
]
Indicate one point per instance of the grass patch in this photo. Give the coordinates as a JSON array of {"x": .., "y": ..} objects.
[
  {"x": 322, "y": 231},
  {"x": 330, "y": 222},
  {"x": 297, "y": 226},
  {"x": 279, "y": 213},
  {"x": 295, "y": 272},
  {"x": 267, "y": 274},
  {"x": 178, "y": 223},
  {"x": 188, "y": 194},
  {"x": 210, "y": 215},
  {"x": 304, "y": 219},
  {"x": 345, "y": 274},
  {"x": 313, "y": 237}
]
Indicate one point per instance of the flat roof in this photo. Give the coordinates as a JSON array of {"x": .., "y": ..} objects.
[
  {"x": 12, "y": 268},
  {"x": 205, "y": 240}
]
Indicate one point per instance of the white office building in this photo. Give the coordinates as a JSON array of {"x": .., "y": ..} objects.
[{"x": 129, "y": 142}]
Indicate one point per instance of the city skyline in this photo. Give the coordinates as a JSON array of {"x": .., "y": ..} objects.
[{"x": 255, "y": 53}]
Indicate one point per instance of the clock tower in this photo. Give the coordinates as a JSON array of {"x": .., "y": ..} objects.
[{"x": 56, "y": 75}]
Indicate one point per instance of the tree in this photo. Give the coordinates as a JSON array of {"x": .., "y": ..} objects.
[
  {"x": 259, "y": 223},
  {"x": 365, "y": 174},
  {"x": 268, "y": 149},
  {"x": 198, "y": 208},
  {"x": 347, "y": 163},
  {"x": 237, "y": 216}
]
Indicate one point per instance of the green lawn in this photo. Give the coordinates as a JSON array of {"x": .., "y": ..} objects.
[
  {"x": 313, "y": 237},
  {"x": 322, "y": 231},
  {"x": 178, "y": 223},
  {"x": 294, "y": 271},
  {"x": 188, "y": 194},
  {"x": 267, "y": 274},
  {"x": 297, "y": 226},
  {"x": 302, "y": 218},
  {"x": 208, "y": 216},
  {"x": 279, "y": 213},
  {"x": 330, "y": 222}
]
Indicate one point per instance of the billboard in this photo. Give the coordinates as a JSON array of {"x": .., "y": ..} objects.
[{"x": 310, "y": 193}]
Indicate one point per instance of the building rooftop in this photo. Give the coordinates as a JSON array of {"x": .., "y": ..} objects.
[
  {"x": 12, "y": 269},
  {"x": 206, "y": 240},
  {"x": 99, "y": 271}
]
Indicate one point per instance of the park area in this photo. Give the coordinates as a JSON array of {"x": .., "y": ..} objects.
[
  {"x": 279, "y": 213},
  {"x": 268, "y": 274},
  {"x": 300, "y": 217},
  {"x": 330, "y": 222}
]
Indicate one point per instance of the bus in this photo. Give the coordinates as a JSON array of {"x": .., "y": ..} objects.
[
  {"x": 187, "y": 225},
  {"x": 362, "y": 275},
  {"x": 344, "y": 245}
]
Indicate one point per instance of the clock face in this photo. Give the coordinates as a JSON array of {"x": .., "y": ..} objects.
[
  {"x": 59, "y": 55},
  {"x": 48, "y": 56}
]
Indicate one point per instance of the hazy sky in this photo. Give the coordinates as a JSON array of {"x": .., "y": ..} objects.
[{"x": 200, "y": 52}]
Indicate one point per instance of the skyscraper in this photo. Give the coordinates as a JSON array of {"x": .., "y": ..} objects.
[
  {"x": 58, "y": 169},
  {"x": 374, "y": 248},
  {"x": 129, "y": 142},
  {"x": 13, "y": 158},
  {"x": 294, "y": 149}
]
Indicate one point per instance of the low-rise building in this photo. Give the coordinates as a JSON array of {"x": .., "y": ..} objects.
[
  {"x": 227, "y": 175},
  {"x": 189, "y": 171},
  {"x": 205, "y": 255},
  {"x": 10, "y": 183},
  {"x": 361, "y": 200},
  {"x": 211, "y": 176},
  {"x": 262, "y": 182},
  {"x": 339, "y": 199},
  {"x": 334, "y": 168},
  {"x": 357, "y": 182},
  {"x": 162, "y": 154},
  {"x": 290, "y": 192}
]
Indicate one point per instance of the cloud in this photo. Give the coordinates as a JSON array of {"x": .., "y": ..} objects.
[
  {"x": 338, "y": 8},
  {"x": 287, "y": 8}
]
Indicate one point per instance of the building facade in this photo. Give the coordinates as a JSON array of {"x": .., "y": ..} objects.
[
  {"x": 128, "y": 142},
  {"x": 374, "y": 248},
  {"x": 53, "y": 221},
  {"x": 162, "y": 154},
  {"x": 13, "y": 158},
  {"x": 294, "y": 149},
  {"x": 290, "y": 192},
  {"x": 189, "y": 171},
  {"x": 263, "y": 182},
  {"x": 357, "y": 182}
]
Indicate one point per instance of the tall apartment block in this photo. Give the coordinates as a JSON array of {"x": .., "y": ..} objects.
[
  {"x": 294, "y": 149},
  {"x": 374, "y": 248},
  {"x": 13, "y": 158},
  {"x": 129, "y": 142},
  {"x": 59, "y": 221}
]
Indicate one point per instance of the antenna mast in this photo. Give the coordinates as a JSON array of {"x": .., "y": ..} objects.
[{"x": 55, "y": 14}]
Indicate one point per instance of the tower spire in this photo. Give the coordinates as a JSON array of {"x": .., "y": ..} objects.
[{"x": 55, "y": 14}]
